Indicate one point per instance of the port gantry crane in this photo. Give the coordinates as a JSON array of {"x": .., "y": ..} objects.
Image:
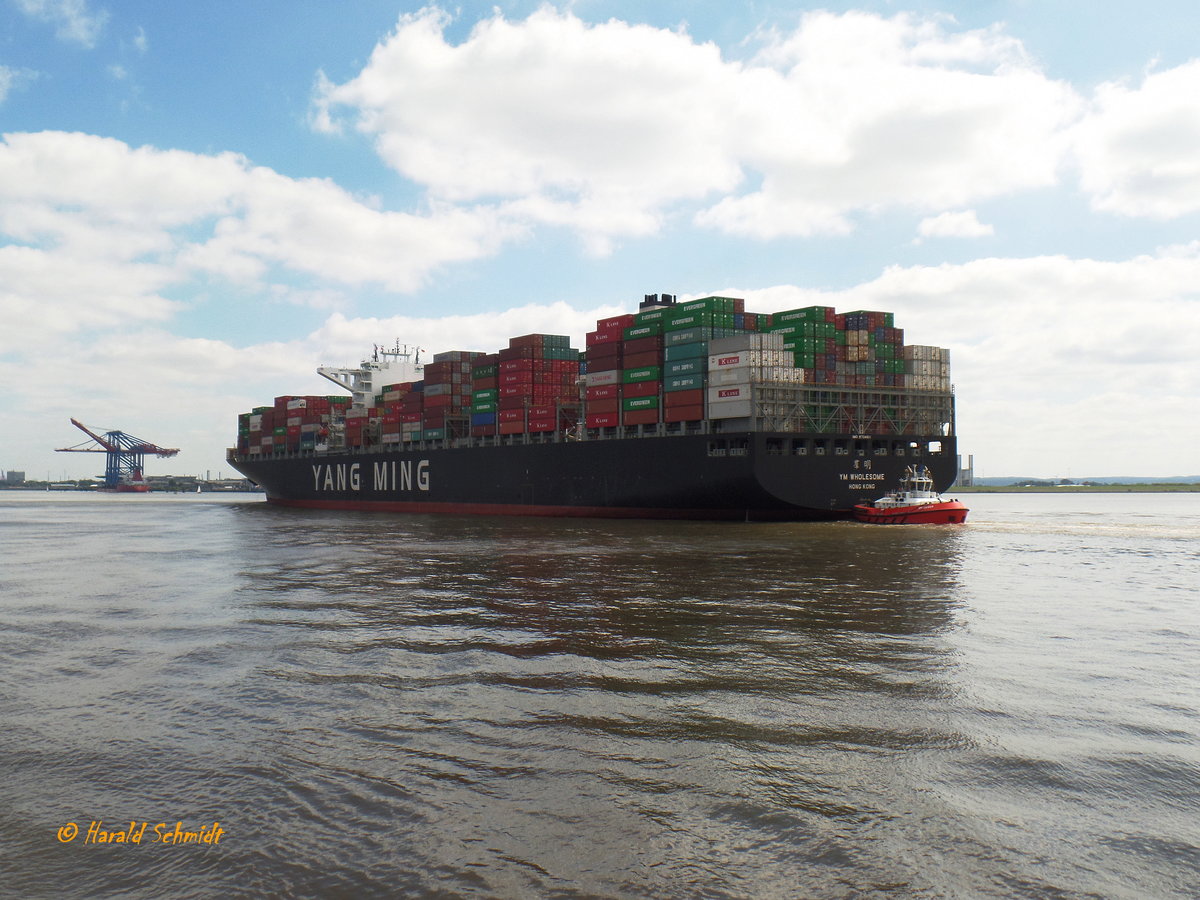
[{"x": 124, "y": 456}]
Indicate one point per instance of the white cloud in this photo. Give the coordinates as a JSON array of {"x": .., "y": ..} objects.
[
  {"x": 599, "y": 126},
  {"x": 76, "y": 202},
  {"x": 611, "y": 127},
  {"x": 14, "y": 79},
  {"x": 1139, "y": 148},
  {"x": 72, "y": 19},
  {"x": 964, "y": 224}
]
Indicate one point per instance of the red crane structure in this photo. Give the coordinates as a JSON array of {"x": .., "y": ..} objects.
[{"x": 124, "y": 457}]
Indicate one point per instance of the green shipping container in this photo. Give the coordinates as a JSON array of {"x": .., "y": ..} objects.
[
  {"x": 631, "y": 404},
  {"x": 685, "y": 382},
  {"x": 680, "y": 320},
  {"x": 689, "y": 336},
  {"x": 651, "y": 315},
  {"x": 645, "y": 373},
  {"x": 694, "y": 365},
  {"x": 633, "y": 332},
  {"x": 708, "y": 304}
]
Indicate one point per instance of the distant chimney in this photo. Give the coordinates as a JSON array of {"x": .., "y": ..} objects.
[{"x": 656, "y": 301}]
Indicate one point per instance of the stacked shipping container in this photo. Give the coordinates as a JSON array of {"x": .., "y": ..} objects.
[
  {"x": 671, "y": 364},
  {"x": 292, "y": 423},
  {"x": 531, "y": 386}
]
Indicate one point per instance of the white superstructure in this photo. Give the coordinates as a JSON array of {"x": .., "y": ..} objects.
[{"x": 384, "y": 367}]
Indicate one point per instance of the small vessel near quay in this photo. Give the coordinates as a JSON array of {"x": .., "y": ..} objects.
[{"x": 915, "y": 503}]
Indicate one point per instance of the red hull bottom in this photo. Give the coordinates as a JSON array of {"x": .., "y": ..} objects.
[
  {"x": 600, "y": 512},
  {"x": 951, "y": 512}
]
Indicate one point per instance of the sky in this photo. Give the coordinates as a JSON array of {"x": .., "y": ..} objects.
[{"x": 202, "y": 203}]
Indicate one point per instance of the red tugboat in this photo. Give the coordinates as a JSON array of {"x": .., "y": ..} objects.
[{"x": 916, "y": 503}]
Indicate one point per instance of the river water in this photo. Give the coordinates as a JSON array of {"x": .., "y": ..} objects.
[{"x": 337, "y": 704}]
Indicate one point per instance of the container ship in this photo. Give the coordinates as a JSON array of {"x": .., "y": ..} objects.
[{"x": 693, "y": 409}]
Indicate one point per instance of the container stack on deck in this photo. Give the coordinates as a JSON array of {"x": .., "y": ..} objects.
[
  {"x": 670, "y": 367},
  {"x": 292, "y": 423},
  {"x": 528, "y": 387}
]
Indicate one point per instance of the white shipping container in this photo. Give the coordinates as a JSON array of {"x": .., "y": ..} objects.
[
  {"x": 928, "y": 354},
  {"x": 738, "y": 358},
  {"x": 729, "y": 409},
  {"x": 298, "y": 403},
  {"x": 756, "y": 375},
  {"x": 751, "y": 341},
  {"x": 729, "y": 392},
  {"x": 598, "y": 379},
  {"x": 718, "y": 361},
  {"x": 740, "y": 375}
]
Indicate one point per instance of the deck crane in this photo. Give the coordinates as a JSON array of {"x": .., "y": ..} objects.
[{"x": 124, "y": 455}]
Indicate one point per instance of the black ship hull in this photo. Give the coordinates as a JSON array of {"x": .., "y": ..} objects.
[{"x": 760, "y": 476}]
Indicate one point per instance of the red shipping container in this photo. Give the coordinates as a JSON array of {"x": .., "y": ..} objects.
[
  {"x": 485, "y": 384},
  {"x": 642, "y": 360},
  {"x": 540, "y": 425},
  {"x": 541, "y": 412},
  {"x": 603, "y": 420},
  {"x": 603, "y": 337},
  {"x": 676, "y": 399},
  {"x": 642, "y": 389},
  {"x": 607, "y": 405},
  {"x": 509, "y": 353},
  {"x": 439, "y": 402},
  {"x": 643, "y": 345},
  {"x": 602, "y": 353},
  {"x": 683, "y": 413},
  {"x": 512, "y": 427},
  {"x": 482, "y": 430},
  {"x": 618, "y": 323},
  {"x": 603, "y": 392},
  {"x": 511, "y": 415},
  {"x": 640, "y": 417}
]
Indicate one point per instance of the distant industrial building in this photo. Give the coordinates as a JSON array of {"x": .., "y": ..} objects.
[
  {"x": 13, "y": 477},
  {"x": 966, "y": 477}
]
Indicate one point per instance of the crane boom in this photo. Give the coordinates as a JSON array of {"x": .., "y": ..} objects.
[{"x": 124, "y": 455}]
